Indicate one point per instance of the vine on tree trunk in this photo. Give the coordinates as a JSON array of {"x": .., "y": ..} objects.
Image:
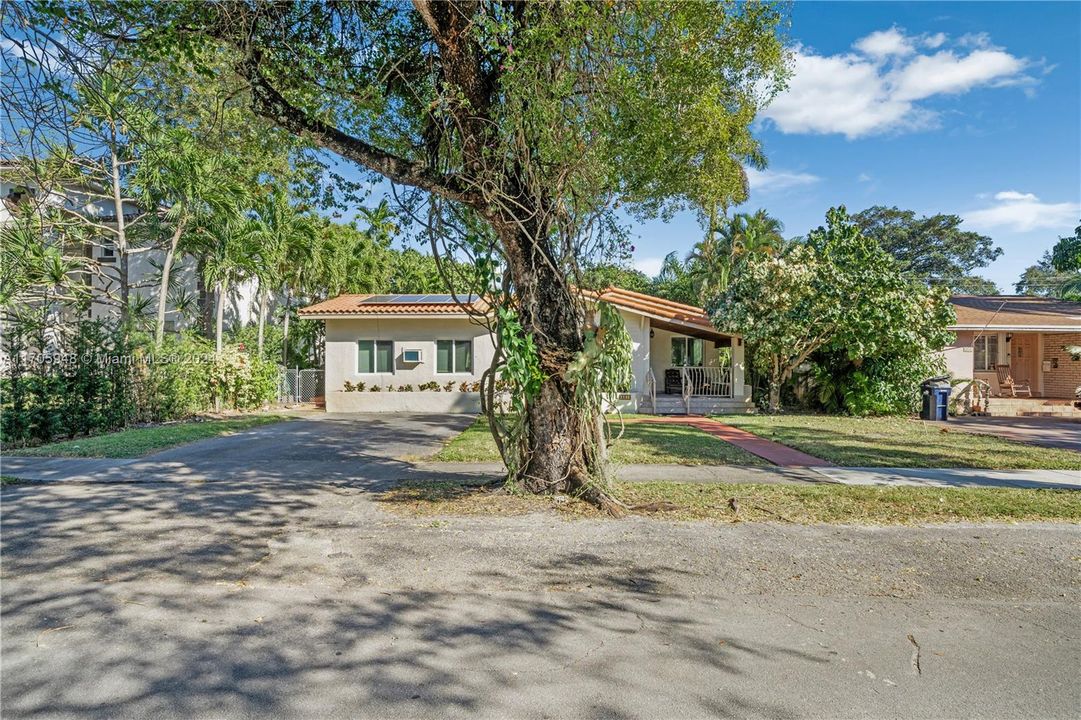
[{"x": 596, "y": 374}]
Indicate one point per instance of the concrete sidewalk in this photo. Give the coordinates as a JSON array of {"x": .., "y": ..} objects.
[
  {"x": 376, "y": 473},
  {"x": 955, "y": 477}
]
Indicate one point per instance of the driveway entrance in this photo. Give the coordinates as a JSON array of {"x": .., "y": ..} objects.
[{"x": 1048, "y": 432}]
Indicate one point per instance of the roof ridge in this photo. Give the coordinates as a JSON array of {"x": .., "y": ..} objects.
[{"x": 655, "y": 298}]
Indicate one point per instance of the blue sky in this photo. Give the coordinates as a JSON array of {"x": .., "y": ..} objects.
[{"x": 972, "y": 109}]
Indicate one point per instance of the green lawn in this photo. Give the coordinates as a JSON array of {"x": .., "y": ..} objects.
[
  {"x": 641, "y": 444},
  {"x": 900, "y": 442},
  {"x": 802, "y": 504},
  {"x": 144, "y": 440}
]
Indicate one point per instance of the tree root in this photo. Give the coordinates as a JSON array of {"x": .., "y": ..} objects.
[
  {"x": 605, "y": 502},
  {"x": 586, "y": 490}
]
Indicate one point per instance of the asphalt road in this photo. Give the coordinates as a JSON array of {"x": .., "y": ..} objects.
[{"x": 252, "y": 595}]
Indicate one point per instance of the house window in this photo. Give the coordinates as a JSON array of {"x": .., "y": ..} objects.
[
  {"x": 375, "y": 356},
  {"x": 108, "y": 252},
  {"x": 688, "y": 351},
  {"x": 454, "y": 356},
  {"x": 985, "y": 352}
]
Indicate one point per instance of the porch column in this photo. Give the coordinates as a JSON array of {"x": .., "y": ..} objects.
[
  {"x": 737, "y": 369},
  {"x": 1039, "y": 364}
]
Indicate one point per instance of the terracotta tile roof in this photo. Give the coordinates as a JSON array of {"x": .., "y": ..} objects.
[
  {"x": 367, "y": 305},
  {"x": 659, "y": 307},
  {"x": 364, "y": 305},
  {"x": 1015, "y": 311}
]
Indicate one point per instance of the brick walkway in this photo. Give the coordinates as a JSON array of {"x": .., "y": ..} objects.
[{"x": 774, "y": 452}]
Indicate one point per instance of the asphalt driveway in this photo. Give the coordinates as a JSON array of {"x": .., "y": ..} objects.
[
  {"x": 260, "y": 578},
  {"x": 362, "y": 449},
  {"x": 1046, "y": 431}
]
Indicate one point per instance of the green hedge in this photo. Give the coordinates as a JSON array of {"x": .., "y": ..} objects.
[{"x": 96, "y": 378}]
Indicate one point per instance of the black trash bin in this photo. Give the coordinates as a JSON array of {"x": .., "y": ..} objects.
[{"x": 935, "y": 394}]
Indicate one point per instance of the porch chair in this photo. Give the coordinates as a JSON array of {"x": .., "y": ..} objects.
[{"x": 1006, "y": 383}]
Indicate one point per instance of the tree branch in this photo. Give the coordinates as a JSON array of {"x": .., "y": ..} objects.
[{"x": 269, "y": 103}]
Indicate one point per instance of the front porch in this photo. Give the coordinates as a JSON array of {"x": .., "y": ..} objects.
[
  {"x": 1021, "y": 374},
  {"x": 693, "y": 370}
]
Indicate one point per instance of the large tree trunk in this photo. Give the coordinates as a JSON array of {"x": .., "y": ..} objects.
[
  {"x": 163, "y": 291},
  {"x": 562, "y": 454},
  {"x": 774, "y": 395}
]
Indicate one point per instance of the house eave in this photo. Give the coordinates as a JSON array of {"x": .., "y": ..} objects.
[
  {"x": 1020, "y": 328},
  {"x": 377, "y": 316}
]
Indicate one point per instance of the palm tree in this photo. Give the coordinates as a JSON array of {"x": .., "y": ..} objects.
[
  {"x": 231, "y": 257},
  {"x": 194, "y": 185},
  {"x": 382, "y": 222},
  {"x": 728, "y": 241},
  {"x": 285, "y": 236}
]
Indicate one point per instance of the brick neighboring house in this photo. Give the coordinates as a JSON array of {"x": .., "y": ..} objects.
[{"x": 1029, "y": 337}]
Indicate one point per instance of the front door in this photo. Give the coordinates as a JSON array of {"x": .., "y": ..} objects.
[{"x": 1024, "y": 351}]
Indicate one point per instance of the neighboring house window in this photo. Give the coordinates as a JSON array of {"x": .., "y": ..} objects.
[
  {"x": 688, "y": 351},
  {"x": 985, "y": 352},
  {"x": 108, "y": 252},
  {"x": 454, "y": 356},
  {"x": 375, "y": 356}
]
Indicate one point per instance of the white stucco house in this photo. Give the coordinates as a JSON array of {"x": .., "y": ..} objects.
[
  {"x": 681, "y": 362},
  {"x": 1025, "y": 340}
]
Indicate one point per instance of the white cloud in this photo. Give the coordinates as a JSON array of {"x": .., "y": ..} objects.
[
  {"x": 974, "y": 40},
  {"x": 877, "y": 88},
  {"x": 946, "y": 73},
  {"x": 776, "y": 180},
  {"x": 884, "y": 43},
  {"x": 47, "y": 56},
  {"x": 863, "y": 178},
  {"x": 1023, "y": 212},
  {"x": 934, "y": 41},
  {"x": 651, "y": 266},
  {"x": 1014, "y": 196}
]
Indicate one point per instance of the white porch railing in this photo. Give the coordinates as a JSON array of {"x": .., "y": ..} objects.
[
  {"x": 973, "y": 397},
  {"x": 707, "y": 381}
]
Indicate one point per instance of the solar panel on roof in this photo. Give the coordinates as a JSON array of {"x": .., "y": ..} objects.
[{"x": 414, "y": 299}]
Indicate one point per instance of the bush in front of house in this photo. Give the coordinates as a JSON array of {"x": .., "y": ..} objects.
[
  {"x": 91, "y": 377},
  {"x": 885, "y": 385}
]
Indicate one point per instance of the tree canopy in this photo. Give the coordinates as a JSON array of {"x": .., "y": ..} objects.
[
  {"x": 1058, "y": 273},
  {"x": 518, "y": 127},
  {"x": 933, "y": 248},
  {"x": 835, "y": 291}
]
